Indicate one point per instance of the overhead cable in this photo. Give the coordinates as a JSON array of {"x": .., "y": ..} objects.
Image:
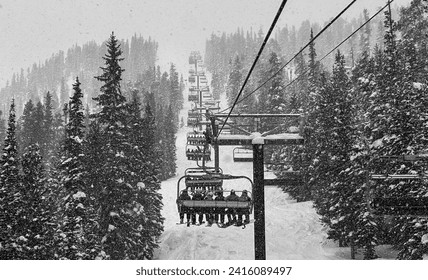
[
  {"x": 299, "y": 52},
  {"x": 256, "y": 59}
]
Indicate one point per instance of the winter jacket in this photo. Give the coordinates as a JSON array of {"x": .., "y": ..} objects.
[
  {"x": 184, "y": 196},
  {"x": 232, "y": 197},
  {"x": 244, "y": 197},
  {"x": 198, "y": 196}
]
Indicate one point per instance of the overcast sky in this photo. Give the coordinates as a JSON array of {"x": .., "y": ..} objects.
[{"x": 32, "y": 31}]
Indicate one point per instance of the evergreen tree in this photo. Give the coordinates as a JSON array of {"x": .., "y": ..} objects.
[
  {"x": 48, "y": 132},
  {"x": 38, "y": 132},
  {"x": 79, "y": 216},
  {"x": 235, "y": 81},
  {"x": 37, "y": 225},
  {"x": 116, "y": 193},
  {"x": 176, "y": 95},
  {"x": 148, "y": 188},
  {"x": 2, "y": 127},
  {"x": 365, "y": 36},
  {"x": 121, "y": 217},
  {"x": 10, "y": 192},
  {"x": 26, "y": 132},
  {"x": 333, "y": 155},
  {"x": 168, "y": 145},
  {"x": 271, "y": 98}
]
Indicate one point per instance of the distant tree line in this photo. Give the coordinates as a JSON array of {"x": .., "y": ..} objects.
[{"x": 56, "y": 74}]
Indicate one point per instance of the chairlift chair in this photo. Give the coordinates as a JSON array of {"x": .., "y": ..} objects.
[
  {"x": 403, "y": 205},
  {"x": 196, "y": 138},
  {"x": 193, "y": 96},
  {"x": 216, "y": 207},
  {"x": 192, "y": 121},
  {"x": 198, "y": 152},
  {"x": 193, "y": 114},
  {"x": 242, "y": 154},
  {"x": 206, "y": 179}
]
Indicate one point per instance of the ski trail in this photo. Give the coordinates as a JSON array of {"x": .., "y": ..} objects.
[{"x": 293, "y": 230}]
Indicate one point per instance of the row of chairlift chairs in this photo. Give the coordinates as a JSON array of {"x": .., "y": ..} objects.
[
  {"x": 206, "y": 180},
  {"x": 203, "y": 178}
]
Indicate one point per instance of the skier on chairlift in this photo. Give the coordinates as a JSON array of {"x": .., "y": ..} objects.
[
  {"x": 184, "y": 196},
  {"x": 219, "y": 212},
  {"x": 197, "y": 210},
  {"x": 245, "y": 198},
  {"x": 209, "y": 211},
  {"x": 231, "y": 212}
]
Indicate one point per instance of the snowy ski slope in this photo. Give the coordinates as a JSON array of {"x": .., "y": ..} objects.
[{"x": 293, "y": 230}]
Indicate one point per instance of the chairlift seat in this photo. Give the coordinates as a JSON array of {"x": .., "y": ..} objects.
[
  {"x": 215, "y": 204},
  {"x": 242, "y": 155},
  {"x": 398, "y": 177}
]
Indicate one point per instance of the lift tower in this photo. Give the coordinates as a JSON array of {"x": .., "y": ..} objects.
[{"x": 258, "y": 140}]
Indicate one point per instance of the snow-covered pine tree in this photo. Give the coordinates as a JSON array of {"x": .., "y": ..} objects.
[
  {"x": 94, "y": 161},
  {"x": 169, "y": 149},
  {"x": 79, "y": 217},
  {"x": 48, "y": 146},
  {"x": 37, "y": 223},
  {"x": 413, "y": 27},
  {"x": 176, "y": 98},
  {"x": 299, "y": 92},
  {"x": 2, "y": 128},
  {"x": 25, "y": 134},
  {"x": 10, "y": 191},
  {"x": 303, "y": 157},
  {"x": 363, "y": 78},
  {"x": 235, "y": 81},
  {"x": 335, "y": 129},
  {"x": 116, "y": 195},
  {"x": 120, "y": 217},
  {"x": 38, "y": 132},
  {"x": 149, "y": 200},
  {"x": 271, "y": 97}
]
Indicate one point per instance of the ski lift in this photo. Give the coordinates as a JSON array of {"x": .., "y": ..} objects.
[
  {"x": 192, "y": 121},
  {"x": 214, "y": 206},
  {"x": 205, "y": 89},
  {"x": 203, "y": 178},
  {"x": 227, "y": 129},
  {"x": 385, "y": 204},
  {"x": 192, "y": 114},
  {"x": 206, "y": 95},
  {"x": 193, "y": 95},
  {"x": 196, "y": 138},
  {"x": 242, "y": 154},
  {"x": 197, "y": 152}
]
